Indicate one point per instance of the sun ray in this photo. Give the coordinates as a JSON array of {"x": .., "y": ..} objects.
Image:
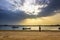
[{"x": 30, "y": 7}]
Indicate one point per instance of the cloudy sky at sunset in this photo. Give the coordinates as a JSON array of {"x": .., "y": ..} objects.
[{"x": 29, "y": 12}]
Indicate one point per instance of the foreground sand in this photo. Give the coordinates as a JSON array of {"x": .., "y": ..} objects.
[{"x": 18, "y": 35}]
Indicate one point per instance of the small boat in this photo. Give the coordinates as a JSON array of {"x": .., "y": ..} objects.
[{"x": 15, "y": 27}]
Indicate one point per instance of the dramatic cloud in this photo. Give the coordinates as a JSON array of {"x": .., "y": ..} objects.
[
  {"x": 11, "y": 17},
  {"x": 51, "y": 9},
  {"x": 16, "y": 10}
]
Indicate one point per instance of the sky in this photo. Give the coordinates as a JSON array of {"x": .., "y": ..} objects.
[{"x": 29, "y": 12}]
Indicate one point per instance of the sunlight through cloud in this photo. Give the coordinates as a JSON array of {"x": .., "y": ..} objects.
[{"x": 30, "y": 7}]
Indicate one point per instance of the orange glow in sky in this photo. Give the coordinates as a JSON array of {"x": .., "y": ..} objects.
[{"x": 42, "y": 21}]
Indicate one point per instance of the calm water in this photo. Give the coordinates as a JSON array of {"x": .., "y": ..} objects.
[
  {"x": 28, "y": 28},
  {"x": 19, "y": 27},
  {"x": 10, "y": 28}
]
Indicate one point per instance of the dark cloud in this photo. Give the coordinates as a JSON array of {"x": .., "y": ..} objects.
[
  {"x": 54, "y": 5},
  {"x": 49, "y": 10},
  {"x": 7, "y": 16},
  {"x": 11, "y": 17}
]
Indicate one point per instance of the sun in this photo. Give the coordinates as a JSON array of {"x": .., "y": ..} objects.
[{"x": 30, "y": 7}]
